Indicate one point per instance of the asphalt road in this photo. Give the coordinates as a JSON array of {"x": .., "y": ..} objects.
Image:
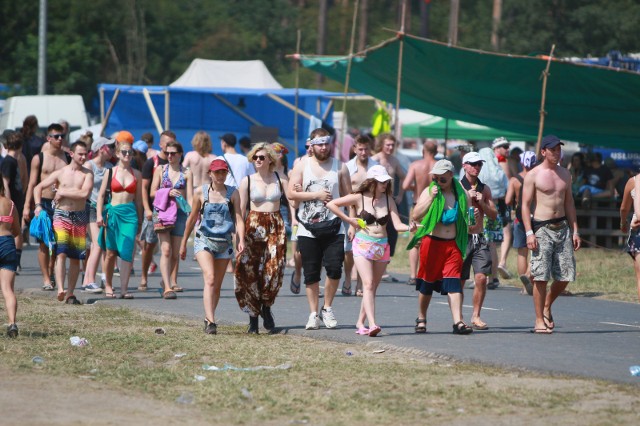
[{"x": 592, "y": 338}]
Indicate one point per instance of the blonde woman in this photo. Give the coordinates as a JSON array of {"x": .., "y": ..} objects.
[
  {"x": 259, "y": 269},
  {"x": 120, "y": 218}
]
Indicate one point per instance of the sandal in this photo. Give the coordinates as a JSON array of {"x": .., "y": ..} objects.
[
  {"x": 411, "y": 282},
  {"x": 110, "y": 295},
  {"x": 143, "y": 287},
  {"x": 476, "y": 325},
  {"x": 126, "y": 296},
  {"x": 346, "y": 291},
  {"x": 295, "y": 288},
  {"x": 169, "y": 295},
  {"x": 47, "y": 287},
  {"x": 373, "y": 332},
  {"x": 421, "y": 328},
  {"x": 359, "y": 293},
  {"x": 177, "y": 288},
  {"x": 461, "y": 328},
  {"x": 73, "y": 300}
]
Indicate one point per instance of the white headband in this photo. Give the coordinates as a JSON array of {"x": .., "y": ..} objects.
[{"x": 320, "y": 140}]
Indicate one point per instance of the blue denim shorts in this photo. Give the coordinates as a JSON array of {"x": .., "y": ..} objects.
[
  {"x": 199, "y": 245},
  {"x": 8, "y": 256}
]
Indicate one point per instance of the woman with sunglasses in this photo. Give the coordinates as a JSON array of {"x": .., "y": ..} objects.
[
  {"x": 259, "y": 269},
  {"x": 120, "y": 218},
  {"x": 172, "y": 183},
  {"x": 220, "y": 208},
  {"x": 371, "y": 251}
]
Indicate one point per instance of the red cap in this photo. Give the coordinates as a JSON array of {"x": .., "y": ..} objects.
[{"x": 218, "y": 164}]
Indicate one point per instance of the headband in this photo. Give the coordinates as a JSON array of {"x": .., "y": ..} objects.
[{"x": 320, "y": 140}]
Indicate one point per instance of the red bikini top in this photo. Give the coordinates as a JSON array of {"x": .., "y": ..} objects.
[
  {"x": 9, "y": 218},
  {"x": 116, "y": 186}
]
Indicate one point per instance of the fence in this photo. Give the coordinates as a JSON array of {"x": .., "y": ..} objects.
[{"x": 600, "y": 225}]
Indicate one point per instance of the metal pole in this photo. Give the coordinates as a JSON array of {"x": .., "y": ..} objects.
[
  {"x": 42, "y": 49},
  {"x": 453, "y": 22}
]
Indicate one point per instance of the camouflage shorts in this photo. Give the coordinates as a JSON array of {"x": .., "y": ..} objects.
[{"x": 553, "y": 259}]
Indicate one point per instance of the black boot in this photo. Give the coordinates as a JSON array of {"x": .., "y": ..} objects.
[
  {"x": 268, "y": 321},
  {"x": 210, "y": 327},
  {"x": 253, "y": 325}
]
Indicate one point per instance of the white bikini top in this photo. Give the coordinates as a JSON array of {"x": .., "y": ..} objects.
[{"x": 257, "y": 196}]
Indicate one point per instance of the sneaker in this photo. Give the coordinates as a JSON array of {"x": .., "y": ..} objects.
[
  {"x": 12, "y": 331},
  {"x": 313, "y": 323},
  {"x": 210, "y": 327},
  {"x": 328, "y": 318},
  {"x": 91, "y": 288},
  {"x": 493, "y": 285}
]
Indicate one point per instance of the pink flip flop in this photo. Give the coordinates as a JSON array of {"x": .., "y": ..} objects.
[
  {"x": 363, "y": 331},
  {"x": 373, "y": 332}
]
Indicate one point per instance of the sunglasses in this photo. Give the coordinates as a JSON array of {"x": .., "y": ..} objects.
[
  {"x": 126, "y": 152},
  {"x": 170, "y": 153},
  {"x": 442, "y": 179},
  {"x": 259, "y": 157},
  {"x": 307, "y": 146},
  {"x": 476, "y": 164},
  {"x": 57, "y": 136}
]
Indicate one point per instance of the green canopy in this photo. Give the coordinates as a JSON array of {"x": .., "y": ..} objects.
[
  {"x": 593, "y": 105},
  {"x": 442, "y": 128}
]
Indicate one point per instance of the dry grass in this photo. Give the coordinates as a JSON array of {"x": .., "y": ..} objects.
[{"x": 325, "y": 385}]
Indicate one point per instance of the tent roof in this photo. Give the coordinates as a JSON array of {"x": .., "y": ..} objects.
[
  {"x": 593, "y": 105},
  {"x": 441, "y": 128},
  {"x": 210, "y": 73}
]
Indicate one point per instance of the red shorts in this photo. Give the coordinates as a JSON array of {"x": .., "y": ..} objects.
[{"x": 441, "y": 263}]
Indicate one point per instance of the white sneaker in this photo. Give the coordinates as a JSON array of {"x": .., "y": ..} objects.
[
  {"x": 313, "y": 323},
  {"x": 328, "y": 318}
]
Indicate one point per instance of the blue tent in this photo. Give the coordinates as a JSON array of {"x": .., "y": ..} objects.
[{"x": 214, "y": 110}]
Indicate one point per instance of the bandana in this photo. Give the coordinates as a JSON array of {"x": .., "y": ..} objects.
[{"x": 320, "y": 140}]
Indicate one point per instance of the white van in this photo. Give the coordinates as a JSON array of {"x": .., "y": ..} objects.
[{"x": 47, "y": 108}]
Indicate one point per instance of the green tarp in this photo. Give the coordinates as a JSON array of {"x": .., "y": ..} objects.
[
  {"x": 442, "y": 128},
  {"x": 586, "y": 104}
]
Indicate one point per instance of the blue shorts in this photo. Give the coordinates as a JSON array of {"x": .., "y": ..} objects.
[
  {"x": 199, "y": 244},
  {"x": 519, "y": 236},
  {"x": 180, "y": 225},
  {"x": 8, "y": 255}
]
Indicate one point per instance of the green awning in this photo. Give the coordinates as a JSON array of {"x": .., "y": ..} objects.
[
  {"x": 592, "y": 105},
  {"x": 441, "y": 128}
]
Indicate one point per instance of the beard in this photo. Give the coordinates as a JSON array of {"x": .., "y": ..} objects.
[{"x": 322, "y": 156}]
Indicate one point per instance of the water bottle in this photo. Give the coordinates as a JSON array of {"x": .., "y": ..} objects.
[{"x": 472, "y": 216}]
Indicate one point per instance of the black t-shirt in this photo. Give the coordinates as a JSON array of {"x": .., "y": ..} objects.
[
  {"x": 148, "y": 169},
  {"x": 598, "y": 177},
  {"x": 9, "y": 168}
]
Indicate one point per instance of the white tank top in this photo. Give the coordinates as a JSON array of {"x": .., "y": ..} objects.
[{"x": 315, "y": 210}]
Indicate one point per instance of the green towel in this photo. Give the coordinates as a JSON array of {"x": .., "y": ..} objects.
[
  {"x": 434, "y": 215},
  {"x": 121, "y": 230}
]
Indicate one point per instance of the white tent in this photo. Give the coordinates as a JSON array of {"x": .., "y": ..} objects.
[{"x": 227, "y": 74}]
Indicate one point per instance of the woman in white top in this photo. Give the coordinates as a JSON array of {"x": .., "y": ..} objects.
[{"x": 259, "y": 269}]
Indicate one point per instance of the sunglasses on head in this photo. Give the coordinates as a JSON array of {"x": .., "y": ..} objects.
[
  {"x": 259, "y": 157},
  {"x": 57, "y": 136}
]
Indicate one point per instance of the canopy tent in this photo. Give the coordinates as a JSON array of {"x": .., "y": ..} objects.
[
  {"x": 443, "y": 128},
  {"x": 141, "y": 109},
  {"x": 593, "y": 105},
  {"x": 228, "y": 74}
]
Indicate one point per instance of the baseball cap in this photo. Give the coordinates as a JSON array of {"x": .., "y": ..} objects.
[
  {"x": 550, "y": 141},
  {"x": 472, "y": 157},
  {"x": 140, "y": 146},
  {"x": 124, "y": 136},
  {"x": 102, "y": 141},
  {"x": 218, "y": 164},
  {"x": 229, "y": 138},
  {"x": 497, "y": 142},
  {"x": 528, "y": 159},
  {"x": 441, "y": 167},
  {"x": 378, "y": 173}
]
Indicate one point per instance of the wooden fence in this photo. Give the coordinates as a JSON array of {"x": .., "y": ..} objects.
[{"x": 599, "y": 226}]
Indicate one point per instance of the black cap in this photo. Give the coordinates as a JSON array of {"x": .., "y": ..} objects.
[
  {"x": 550, "y": 141},
  {"x": 229, "y": 139}
]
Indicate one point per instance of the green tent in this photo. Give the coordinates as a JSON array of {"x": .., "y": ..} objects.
[
  {"x": 442, "y": 128},
  {"x": 593, "y": 105}
]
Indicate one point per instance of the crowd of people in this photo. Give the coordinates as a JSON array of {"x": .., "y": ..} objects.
[{"x": 97, "y": 202}]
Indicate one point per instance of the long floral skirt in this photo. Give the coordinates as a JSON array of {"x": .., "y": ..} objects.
[{"x": 260, "y": 266}]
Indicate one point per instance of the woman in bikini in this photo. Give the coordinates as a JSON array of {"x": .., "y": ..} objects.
[
  {"x": 175, "y": 184},
  {"x": 9, "y": 229},
  {"x": 371, "y": 251},
  {"x": 219, "y": 206},
  {"x": 259, "y": 269},
  {"x": 120, "y": 218}
]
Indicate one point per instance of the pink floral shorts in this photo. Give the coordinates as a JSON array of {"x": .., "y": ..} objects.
[{"x": 371, "y": 248}]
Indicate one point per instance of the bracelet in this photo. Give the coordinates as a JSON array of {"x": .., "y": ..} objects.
[
  {"x": 528, "y": 233},
  {"x": 38, "y": 204}
]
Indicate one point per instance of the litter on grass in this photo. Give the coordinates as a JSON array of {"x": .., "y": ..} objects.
[
  {"x": 379, "y": 351},
  {"x": 160, "y": 330},
  {"x": 179, "y": 355},
  {"x": 199, "y": 378},
  {"x": 37, "y": 360},
  {"x": 78, "y": 341},
  {"x": 229, "y": 367}
]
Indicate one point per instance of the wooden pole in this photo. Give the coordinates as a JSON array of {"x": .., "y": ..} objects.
[
  {"x": 295, "y": 115},
  {"x": 545, "y": 75},
  {"x": 105, "y": 120},
  {"x": 340, "y": 140},
  {"x": 152, "y": 110},
  {"x": 399, "y": 80}
]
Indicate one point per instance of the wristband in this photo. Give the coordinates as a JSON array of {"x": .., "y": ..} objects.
[
  {"x": 38, "y": 204},
  {"x": 528, "y": 233}
]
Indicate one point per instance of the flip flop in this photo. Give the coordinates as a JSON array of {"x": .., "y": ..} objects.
[
  {"x": 363, "y": 331},
  {"x": 479, "y": 325},
  {"x": 143, "y": 287},
  {"x": 177, "y": 289},
  {"x": 61, "y": 296},
  {"x": 169, "y": 295},
  {"x": 110, "y": 295},
  {"x": 47, "y": 287},
  {"x": 346, "y": 291},
  {"x": 373, "y": 332},
  {"x": 541, "y": 331},
  {"x": 126, "y": 296},
  {"x": 504, "y": 272},
  {"x": 528, "y": 285},
  {"x": 548, "y": 321},
  {"x": 295, "y": 288}
]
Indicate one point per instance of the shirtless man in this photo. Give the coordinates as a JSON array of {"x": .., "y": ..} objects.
[
  {"x": 417, "y": 179},
  {"x": 199, "y": 159},
  {"x": 73, "y": 186},
  {"x": 552, "y": 235},
  {"x": 478, "y": 251},
  {"x": 357, "y": 167},
  {"x": 385, "y": 146},
  {"x": 50, "y": 159}
]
